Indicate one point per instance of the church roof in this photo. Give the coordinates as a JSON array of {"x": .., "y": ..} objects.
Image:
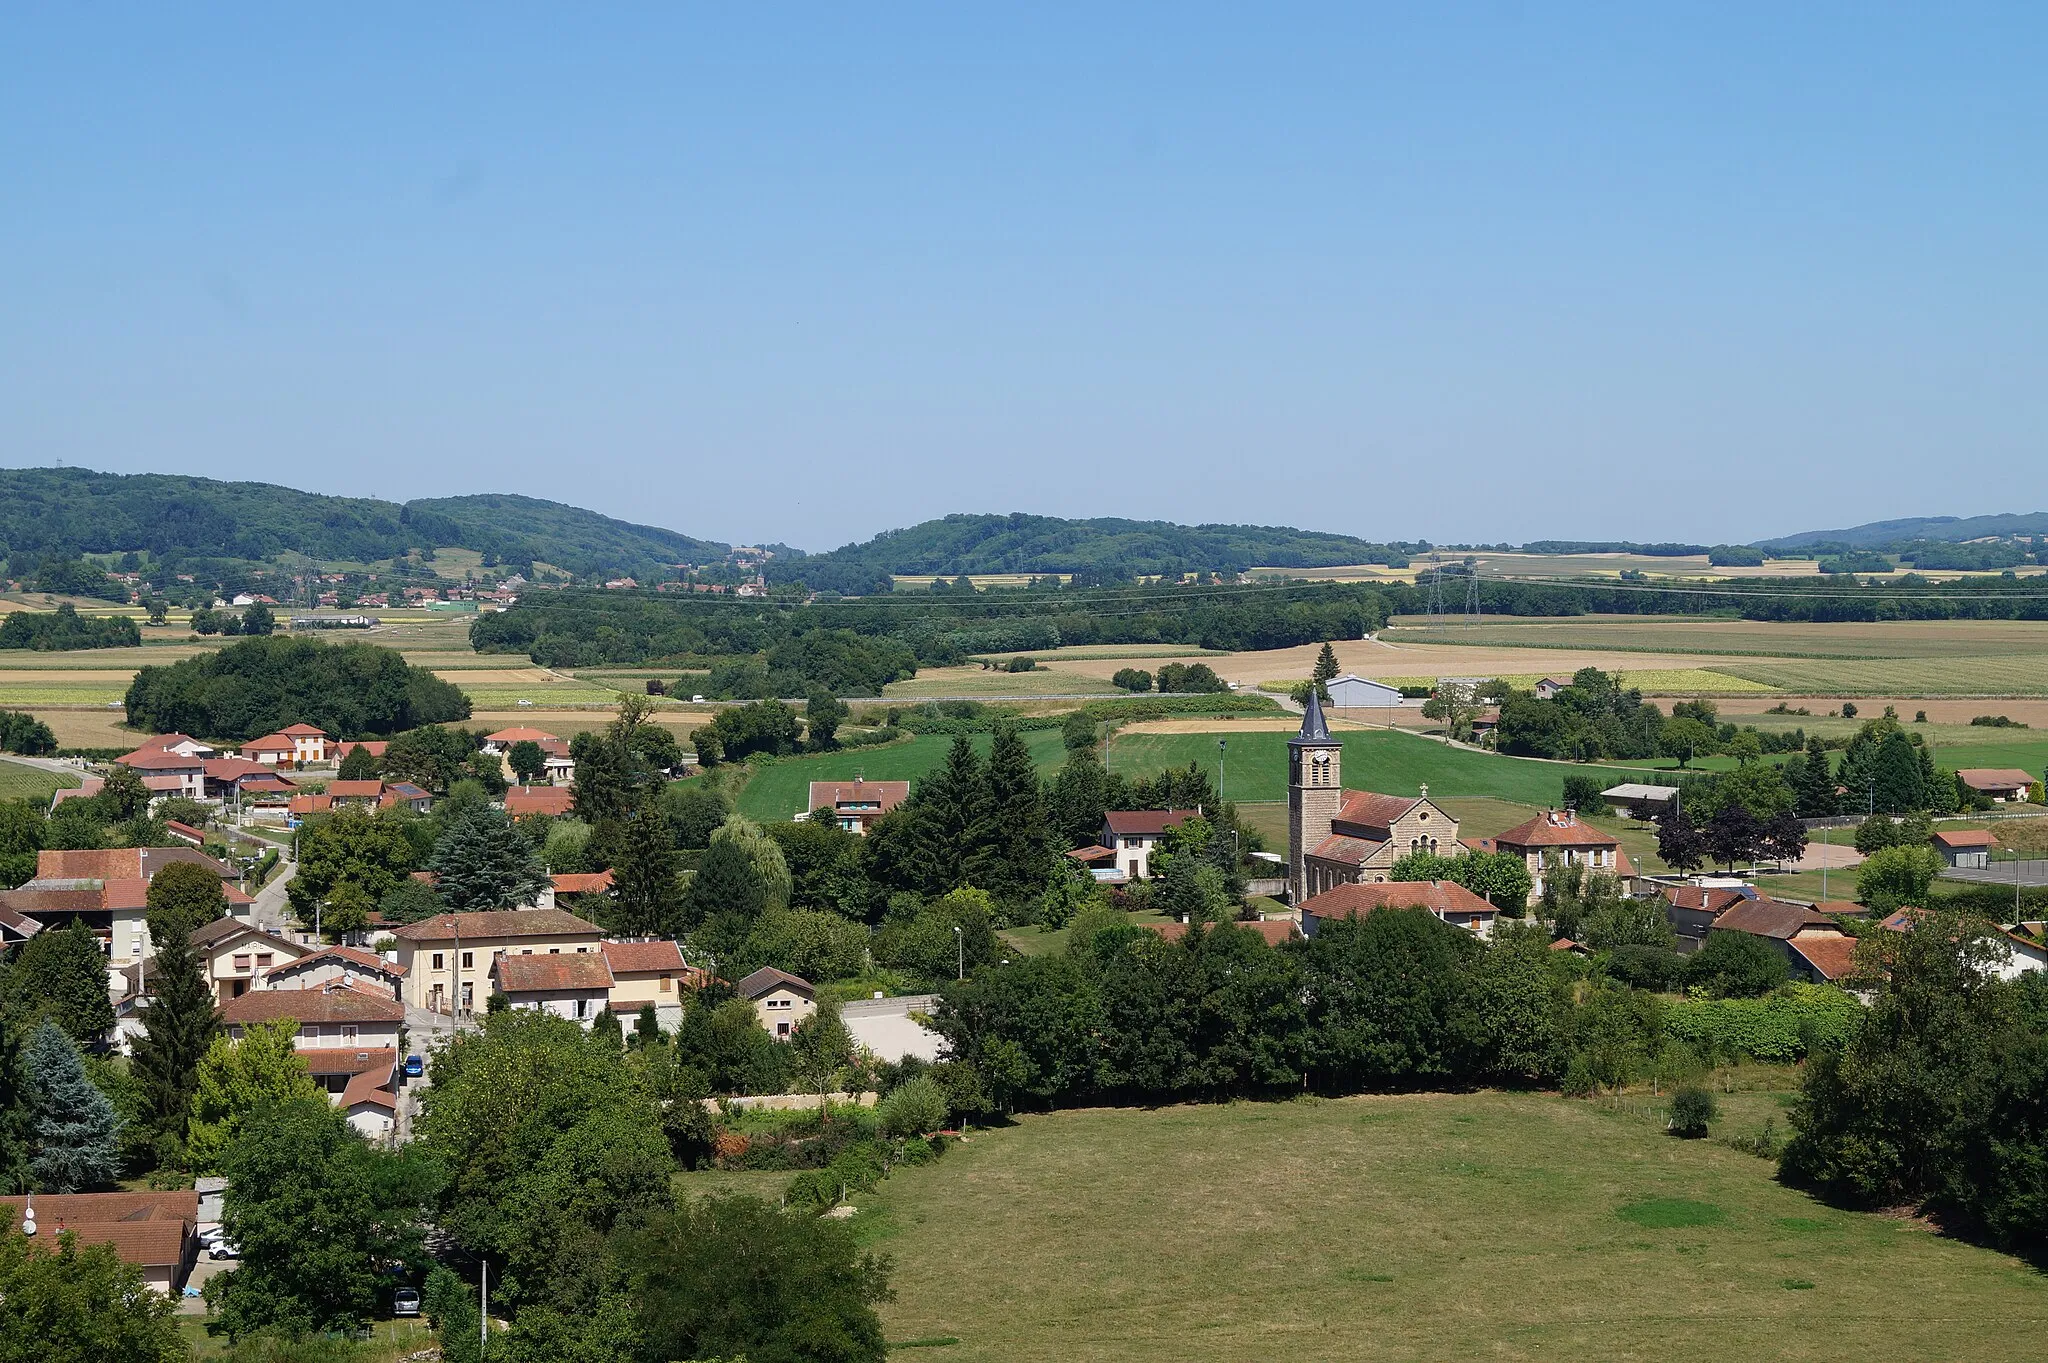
[
  {"x": 1314, "y": 728},
  {"x": 1347, "y": 850},
  {"x": 1370, "y": 810}
]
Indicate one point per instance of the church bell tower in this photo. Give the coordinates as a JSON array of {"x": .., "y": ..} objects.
[{"x": 1315, "y": 789}]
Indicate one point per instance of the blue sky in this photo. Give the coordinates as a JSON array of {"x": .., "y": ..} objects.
[{"x": 1484, "y": 272}]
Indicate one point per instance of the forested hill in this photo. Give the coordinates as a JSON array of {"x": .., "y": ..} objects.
[
  {"x": 65, "y": 512},
  {"x": 1108, "y": 550},
  {"x": 1946, "y": 529}
]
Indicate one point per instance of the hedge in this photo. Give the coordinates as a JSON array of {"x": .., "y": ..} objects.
[{"x": 1781, "y": 1026}]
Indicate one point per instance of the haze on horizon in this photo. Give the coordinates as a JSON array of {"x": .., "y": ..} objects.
[{"x": 1491, "y": 273}]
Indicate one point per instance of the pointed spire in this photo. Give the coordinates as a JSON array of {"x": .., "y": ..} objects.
[{"x": 1313, "y": 726}]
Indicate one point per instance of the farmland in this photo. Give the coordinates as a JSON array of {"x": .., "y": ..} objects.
[
  {"x": 19, "y": 781},
  {"x": 1414, "y": 1227}
]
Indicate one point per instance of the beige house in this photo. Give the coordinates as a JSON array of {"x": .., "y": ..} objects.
[
  {"x": 1132, "y": 834},
  {"x": 348, "y": 1037},
  {"x": 1559, "y": 837},
  {"x": 447, "y": 958},
  {"x": 236, "y": 956},
  {"x": 326, "y": 965},
  {"x": 781, "y": 1000},
  {"x": 1370, "y": 832},
  {"x": 650, "y": 972}
]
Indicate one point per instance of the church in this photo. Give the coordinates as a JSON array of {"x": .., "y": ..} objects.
[{"x": 1348, "y": 837}]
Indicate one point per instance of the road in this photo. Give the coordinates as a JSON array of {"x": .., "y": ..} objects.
[{"x": 272, "y": 911}]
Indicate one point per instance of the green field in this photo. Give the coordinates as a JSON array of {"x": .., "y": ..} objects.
[
  {"x": 1659, "y": 681},
  {"x": 1952, "y": 675},
  {"x": 1384, "y": 760},
  {"x": 975, "y": 681},
  {"x": 778, "y": 790},
  {"x": 22, "y": 782},
  {"x": 1423, "y": 1227}
]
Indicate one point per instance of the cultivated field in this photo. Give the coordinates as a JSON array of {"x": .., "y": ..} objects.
[
  {"x": 976, "y": 681},
  {"x": 1423, "y": 1227},
  {"x": 21, "y": 782}
]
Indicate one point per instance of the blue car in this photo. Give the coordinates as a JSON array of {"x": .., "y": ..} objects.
[{"x": 415, "y": 1066}]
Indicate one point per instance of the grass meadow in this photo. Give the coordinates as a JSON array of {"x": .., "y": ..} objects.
[
  {"x": 778, "y": 790},
  {"x": 1517, "y": 1226}
]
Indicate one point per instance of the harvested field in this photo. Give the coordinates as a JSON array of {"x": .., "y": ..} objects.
[
  {"x": 1790, "y": 639},
  {"x": 977, "y": 681},
  {"x": 1371, "y": 658},
  {"x": 1952, "y": 675}
]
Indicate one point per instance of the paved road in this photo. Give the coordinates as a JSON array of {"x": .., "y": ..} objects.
[{"x": 272, "y": 911}]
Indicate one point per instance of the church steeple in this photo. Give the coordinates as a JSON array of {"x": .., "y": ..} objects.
[{"x": 1315, "y": 789}]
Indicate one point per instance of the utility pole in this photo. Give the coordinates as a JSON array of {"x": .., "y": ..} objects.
[{"x": 1222, "y": 744}]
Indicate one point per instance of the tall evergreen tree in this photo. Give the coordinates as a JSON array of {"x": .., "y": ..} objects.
[
  {"x": 952, "y": 819},
  {"x": 644, "y": 876},
  {"x": 1896, "y": 772},
  {"x": 75, "y": 1131},
  {"x": 1014, "y": 858},
  {"x": 182, "y": 1023},
  {"x": 16, "y": 1112},
  {"x": 1812, "y": 779},
  {"x": 726, "y": 883},
  {"x": 1077, "y": 799},
  {"x": 483, "y": 862},
  {"x": 1325, "y": 669}
]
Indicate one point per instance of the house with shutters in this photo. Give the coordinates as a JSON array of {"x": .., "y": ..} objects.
[
  {"x": 573, "y": 985},
  {"x": 1559, "y": 837},
  {"x": 448, "y": 958},
  {"x": 1131, "y": 834},
  {"x": 781, "y": 1000},
  {"x": 651, "y": 971}
]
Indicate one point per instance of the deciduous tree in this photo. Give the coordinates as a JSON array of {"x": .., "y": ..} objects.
[{"x": 236, "y": 1078}]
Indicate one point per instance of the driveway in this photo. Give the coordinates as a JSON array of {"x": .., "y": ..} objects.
[{"x": 885, "y": 1026}]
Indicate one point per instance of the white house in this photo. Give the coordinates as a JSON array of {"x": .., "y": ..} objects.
[
  {"x": 781, "y": 1000},
  {"x": 1132, "y": 834},
  {"x": 574, "y": 985}
]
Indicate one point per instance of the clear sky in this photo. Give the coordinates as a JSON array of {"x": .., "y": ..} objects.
[{"x": 1484, "y": 272}]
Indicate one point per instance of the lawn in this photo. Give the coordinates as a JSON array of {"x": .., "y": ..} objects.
[
  {"x": 1413, "y": 1227},
  {"x": 19, "y": 781},
  {"x": 778, "y": 790},
  {"x": 1385, "y": 760}
]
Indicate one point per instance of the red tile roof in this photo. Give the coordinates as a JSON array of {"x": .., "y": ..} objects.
[
  {"x": 578, "y": 882},
  {"x": 1138, "y": 823},
  {"x": 368, "y": 960},
  {"x": 160, "y": 759},
  {"x": 150, "y": 1230},
  {"x": 302, "y": 731},
  {"x": 537, "y": 974},
  {"x": 372, "y": 1086},
  {"x": 1092, "y": 852},
  {"x": 355, "y": 790},
  {"x": 1995, "y": 778},
  {"x": 1370, "y": 810},
  {"x": 1555, "y": 828},
  {"x": 1274, "y": 930},
  {"x": 330, "y": 1003},
  {"x": 326, "y": 1060},
  {"x": 520, "y": 734},
  {"x": 310, "y": 804},
  {"x": 1831, "y": 957},
  {"x": 444, "y": 927},
  {"x": 270, "y": 743},
  {"x": 1701, "y": 898},
  {"x": 1345, "y": 850},
  {"x": 885, "y": 794},
  {"x": 1440, "y": 897},
  {"x": 539, "y": 800},
  {"x": 1965, "y": 837},
  {"x": 1773, "y": 918},
  {"x": 375, "y": 747},
  {"x": 237, "y": 769},
  {"x": 632, "y": 958},
  {"x": 768, "y": 979},
  {"x": 119, "y": 863}
]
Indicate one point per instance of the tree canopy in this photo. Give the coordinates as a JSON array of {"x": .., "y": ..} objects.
[{"x": 260, "y": 685}]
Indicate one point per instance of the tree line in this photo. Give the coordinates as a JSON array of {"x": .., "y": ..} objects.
[{"x": 258, "y": 686}]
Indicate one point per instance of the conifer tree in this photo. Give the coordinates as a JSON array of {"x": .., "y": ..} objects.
[
  {"x": 726, "y": 883},
  {"x": 644, "y": 876},
  {"x": 1325, "y": 669},
  {"x": 1013, "y": 859},
  {"x": 182, "y": 1023},
  {"x": 75, "y": 1131},
  {"x": 15, "y": 1110},
  {"x": 483, "y": 862}
]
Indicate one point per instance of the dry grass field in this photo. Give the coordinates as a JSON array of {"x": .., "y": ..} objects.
[
  {"x": 1423, "y": 1227},
  {"x": 976, "y": 681},
  {"x": 1792, "y": 639}
]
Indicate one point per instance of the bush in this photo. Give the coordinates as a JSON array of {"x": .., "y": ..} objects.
[
  {"x": 1022, "y": 665},
  {"x": 1782, "y": 1026},
  {"x": 1692, "y": 1112},
  {"x": 916, "y": 1108},
  {"x": 1582, "y": 792},
  {"x": 1132, "y": 679}
]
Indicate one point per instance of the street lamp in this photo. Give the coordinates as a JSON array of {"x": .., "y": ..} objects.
[
  {"x": 960, "y": 949},
  {"x": 1221, "y": 745}
]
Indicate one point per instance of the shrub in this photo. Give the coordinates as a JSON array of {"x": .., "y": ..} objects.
[
  {"x": 1692, "y": 1112},
  {"x": 915, "y": 1108},
  {"x": 1132, "y": 679},
  {"x": 1782, "y": 1026}
]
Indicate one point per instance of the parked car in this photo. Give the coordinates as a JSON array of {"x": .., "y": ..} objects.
[
  {"x": 405, "y": 1302},
  {"x": 415, "y": 1066},
  {"x": 221, "y": 1249}
]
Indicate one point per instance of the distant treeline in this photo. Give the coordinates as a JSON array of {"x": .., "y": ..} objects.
[
  {"x": 1094, "y": 552},
  {"x": 1978, "y": 598},
  {"x": 255, "y": 687},
  {"x": 819, "y": 641},
  {"x": 63, "y": 513},
  {"x": 64, "y": 628}
]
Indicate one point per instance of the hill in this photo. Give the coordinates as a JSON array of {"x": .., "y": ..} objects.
[
  {"x": 1108, "y": 550},
  {"x": 61, "y": 513},
  {"x": 1943, "y": 529}
]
